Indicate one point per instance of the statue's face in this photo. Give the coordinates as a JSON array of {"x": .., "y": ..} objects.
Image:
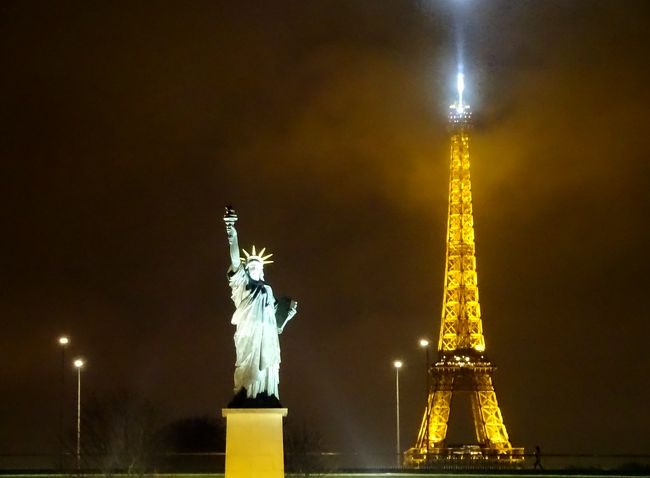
[{"x": 255, "y": 270}]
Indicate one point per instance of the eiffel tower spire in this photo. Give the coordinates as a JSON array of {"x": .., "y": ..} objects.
[{"x": 462, "y": 366}]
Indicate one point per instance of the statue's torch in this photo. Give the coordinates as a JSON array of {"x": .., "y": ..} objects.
[{"x": 230, "y": 218}]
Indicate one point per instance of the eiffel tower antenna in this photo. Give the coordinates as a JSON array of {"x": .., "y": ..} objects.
[{"x": 462, "y": 366}]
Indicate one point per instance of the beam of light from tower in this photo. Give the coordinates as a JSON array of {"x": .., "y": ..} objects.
[
  {"x": 459, "y": 110},
  {"x": 460, "y": 20},
  {"x": 460, "y": 86}
]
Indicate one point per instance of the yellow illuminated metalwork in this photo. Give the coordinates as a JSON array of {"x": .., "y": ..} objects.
[
  {"x": 461, "y": 313},
  {"x": 461, "y": 366}
]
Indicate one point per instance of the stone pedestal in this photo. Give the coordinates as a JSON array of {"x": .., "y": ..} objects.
[{"x": 254, "y": 447}]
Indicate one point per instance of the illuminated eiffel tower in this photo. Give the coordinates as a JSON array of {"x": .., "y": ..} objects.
[{"x": 462, "y": 365}]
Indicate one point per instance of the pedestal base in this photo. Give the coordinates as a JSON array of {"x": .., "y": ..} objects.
[{"x": 254, "y": 447}]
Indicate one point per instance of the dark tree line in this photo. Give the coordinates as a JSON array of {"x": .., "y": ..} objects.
[
  {"x": 304, "y": 450},
  {"x": 126, "y": 434}
]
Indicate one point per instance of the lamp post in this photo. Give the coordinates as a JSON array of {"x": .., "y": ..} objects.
[
  {"x": 63, "y": 342},
  {"x": 79, "y": 363},
  {"x": 424, "y": 343},
  {"x": 397, "y": 364}
]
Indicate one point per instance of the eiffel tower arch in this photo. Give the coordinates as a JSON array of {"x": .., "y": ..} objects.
[{"x": 462, "y": 366}]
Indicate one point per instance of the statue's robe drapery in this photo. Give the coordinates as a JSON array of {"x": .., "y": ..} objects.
[{"x": 256, "y": 339}]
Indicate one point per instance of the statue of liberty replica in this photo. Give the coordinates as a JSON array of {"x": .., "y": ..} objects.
[{"x": 259, "y": 319}]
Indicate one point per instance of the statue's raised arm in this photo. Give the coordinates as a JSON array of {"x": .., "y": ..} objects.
[{"x": 230, "y": 218}]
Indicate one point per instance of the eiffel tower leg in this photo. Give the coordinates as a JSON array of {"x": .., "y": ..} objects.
[
  {"x": 433, "y": 428},
  {"x": 439, "y": 409},
  {"x": 435, "y": 416},
  {"x": 479, "y": 425},
  {"x": 488, "y": 422}
]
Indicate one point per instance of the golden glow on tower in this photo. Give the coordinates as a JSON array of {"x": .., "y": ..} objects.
[
  {"x": 462, "y": 366},
  {"x": 461, "y": 312}
]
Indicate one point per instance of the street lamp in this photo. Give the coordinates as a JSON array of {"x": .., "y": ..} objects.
[
  {"x": 424, "y": 343},
  {"x": 397, "y": 364},
  {"x": 63, "y": 342},
  {"x": 78, "y": 363}
]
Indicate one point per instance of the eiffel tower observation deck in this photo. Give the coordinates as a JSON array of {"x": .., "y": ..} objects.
[{"x": 462, "y": 366}]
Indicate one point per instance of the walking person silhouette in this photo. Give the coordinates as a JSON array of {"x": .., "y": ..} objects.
[{"x": 538, "y": 458}]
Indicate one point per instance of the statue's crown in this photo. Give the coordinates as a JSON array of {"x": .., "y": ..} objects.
[{"x": 257, "y": 256}]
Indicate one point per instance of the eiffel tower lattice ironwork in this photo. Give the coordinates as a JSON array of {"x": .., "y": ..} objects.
[{"x": 462, "y": 365}]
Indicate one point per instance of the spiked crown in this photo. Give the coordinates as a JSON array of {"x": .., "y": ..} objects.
[{"x": 257, "y": 256}]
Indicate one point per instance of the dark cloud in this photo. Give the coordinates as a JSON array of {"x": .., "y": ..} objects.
[{"x": 126, "y": 129}]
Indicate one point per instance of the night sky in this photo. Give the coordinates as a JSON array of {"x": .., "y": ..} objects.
[{"x": 125, "y": 127}]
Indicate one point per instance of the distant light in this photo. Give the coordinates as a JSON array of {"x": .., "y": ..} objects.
[
  {"x": 79, "y": 363},
  {"x": 63, "y": 340},
  {"x": 397, "y": 364},
  {"x": 424, "y": 343}
]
